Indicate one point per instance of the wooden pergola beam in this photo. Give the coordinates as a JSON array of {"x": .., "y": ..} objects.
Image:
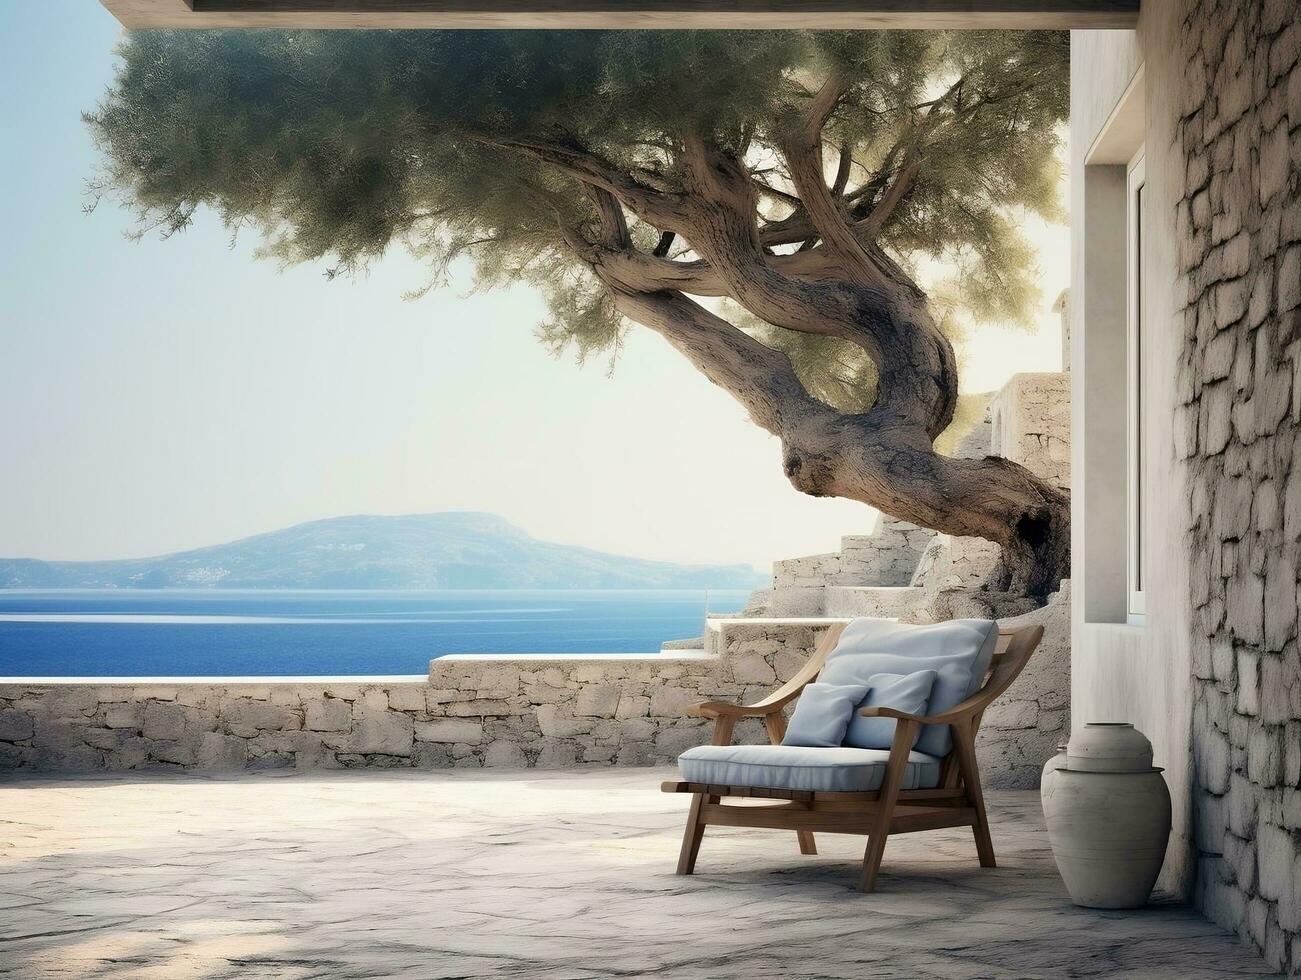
[{"x": 660, "y": 14}]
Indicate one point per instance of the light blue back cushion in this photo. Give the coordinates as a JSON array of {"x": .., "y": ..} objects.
[
  {"x": 822, "y": 714},
  {"x": 959, "y": 651},
  {"x": 907, "y": 692}
]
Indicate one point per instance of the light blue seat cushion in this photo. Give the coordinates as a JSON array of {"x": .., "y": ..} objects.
[
  {"x": 907, "y": 692},
  {"x": 823, "y": 713},
  {"x": 836, "y": 770},
  {"x": 959, "y": 651}
]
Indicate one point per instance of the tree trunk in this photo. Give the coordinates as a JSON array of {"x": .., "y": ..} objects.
[{"x": 872, "y": 457}]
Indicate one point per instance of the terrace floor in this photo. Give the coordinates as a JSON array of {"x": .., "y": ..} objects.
[{"x": 538, "y": 874}]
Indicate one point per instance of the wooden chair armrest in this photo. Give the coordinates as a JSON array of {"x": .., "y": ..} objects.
[
  {"x": 959, "y": 712},
  {"x": 772, "y": 705},
  {"x": 894, "y": 713},
  {"x": 715, "y": 709}
]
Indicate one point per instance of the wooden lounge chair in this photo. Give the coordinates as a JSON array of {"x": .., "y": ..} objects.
[{"x": 954, "y": 800}]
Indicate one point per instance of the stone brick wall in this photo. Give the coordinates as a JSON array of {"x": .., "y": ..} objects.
[
  {"x": 1022, "y": 729},
  {"x": 527, "y": 711},
  {"x": 886, "y": 557},
  {"x": 1031, "y": 418},
  {"x": 956, "y": 563},
  {"x": 1239, "y": 433},
  {"x": 522, "y": 711}
]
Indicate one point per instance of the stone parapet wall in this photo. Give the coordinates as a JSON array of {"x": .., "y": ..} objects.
[
  {"x": 512, "y": 711},
  {"x": 534, "y": 718},
  {"x": 556, "y": 712},
  {"x": 211, "y": 725},
  {"x": 472, "y": 712},
  {"x": 542, "y": 710},
  {"x": 1238, "y": 430}
]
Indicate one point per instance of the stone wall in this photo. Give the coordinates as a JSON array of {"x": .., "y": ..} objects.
[
  {"x": 887, "y": 556},
  {"x": 956, "y": 563},
  {"x": 882, "y": 561},
  {"x": 1031, "y": 418},
  {"x": 486, "y": 711},
  {"x": 1022, "y": 729},
  {"x": 1239, "y": 431},
  {"x": 519, "y": 711},
  {"x": 542, "y": 710}
]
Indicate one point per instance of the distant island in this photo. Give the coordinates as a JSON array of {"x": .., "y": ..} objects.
[{"x": 449, "y": 550}]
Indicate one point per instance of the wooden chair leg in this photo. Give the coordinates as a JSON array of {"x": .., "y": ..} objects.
[
  {"x": 691, "y": 838},
  {"x": 965, "y": 740},
  {"x": 889, "y": 794},
  {"x": 807, "y": 844},
  {"x": 695, "y": 831},
  {"x": 776, "y": 725}
]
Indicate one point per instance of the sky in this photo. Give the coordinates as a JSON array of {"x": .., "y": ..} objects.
[{"x": 163, "y": 395}]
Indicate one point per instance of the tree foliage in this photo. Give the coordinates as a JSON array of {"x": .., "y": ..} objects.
[{"x": 338, "y": 145}]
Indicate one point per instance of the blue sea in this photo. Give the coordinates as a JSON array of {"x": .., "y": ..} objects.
[{"x": 165, "y": 633}]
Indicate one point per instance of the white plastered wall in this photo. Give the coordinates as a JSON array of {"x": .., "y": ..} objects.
[{"x": 1121, "y": 672}]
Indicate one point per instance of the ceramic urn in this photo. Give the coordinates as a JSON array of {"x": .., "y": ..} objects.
[{"x": 1108, "y": 814}]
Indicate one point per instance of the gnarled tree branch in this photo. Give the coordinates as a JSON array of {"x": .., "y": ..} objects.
[
  {"x": 802, "y": 148},
  {"x": 864, "y": 457},
  {"x": 885, "y": 317},
  {"x": 659, "y": 207},
  {"x": 759, "y": 377}
]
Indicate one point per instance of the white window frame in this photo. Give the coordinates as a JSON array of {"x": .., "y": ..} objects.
[{"x": 1136, "y": 544}]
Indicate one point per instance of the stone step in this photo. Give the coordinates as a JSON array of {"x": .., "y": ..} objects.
[
  {"x": 858, "y": 542},
  {"x": 886, "y": 602},
  {"x": 692, "y": 644},
  {"x": 864, "y": 567}
]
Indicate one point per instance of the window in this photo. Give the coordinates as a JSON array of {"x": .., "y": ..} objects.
[{"x": 1136, "y": 234}]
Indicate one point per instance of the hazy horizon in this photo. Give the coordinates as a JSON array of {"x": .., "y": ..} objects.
[
  {"x": 334, "y": 518},
  {"x": 166, "y": 395}
]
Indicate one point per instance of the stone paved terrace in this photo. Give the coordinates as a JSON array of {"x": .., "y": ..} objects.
[{"x": 494, "y": 873}]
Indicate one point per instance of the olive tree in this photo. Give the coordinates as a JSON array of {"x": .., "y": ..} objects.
[{"x": 762, "y": 200}]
